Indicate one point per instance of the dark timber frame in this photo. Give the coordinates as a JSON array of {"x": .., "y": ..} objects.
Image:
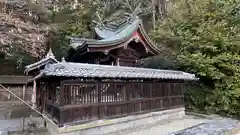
[{"x": 85, "y": 100}]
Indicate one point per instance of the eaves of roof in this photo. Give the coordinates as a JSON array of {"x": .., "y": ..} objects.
[
  {"x": 39, "y": 64},
  {"x": 65, "y": 69}
]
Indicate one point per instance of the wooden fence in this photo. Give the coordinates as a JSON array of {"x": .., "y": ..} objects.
[
  {"x": 84, "y": 101},
  {"x": 17, "y": 85},
  {"x": 23, "y": 92}
]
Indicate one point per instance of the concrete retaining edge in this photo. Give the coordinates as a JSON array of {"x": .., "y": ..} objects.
[{"x": 71, "y": 129}]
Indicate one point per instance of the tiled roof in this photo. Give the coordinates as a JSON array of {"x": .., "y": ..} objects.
[
  {"x": 49, "y": 59},
  {"x": 104, "y": 33},
  {"x": 102, "y": 71},
  {"x": 117, "y": 37},
  {"x": 108, "y": 36}
]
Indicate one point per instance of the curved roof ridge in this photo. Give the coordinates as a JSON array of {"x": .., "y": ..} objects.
[
  {"x": 120, "y": 36},
  {"x": 105, "y": 32},
  {"x": 148, "y": 38}
]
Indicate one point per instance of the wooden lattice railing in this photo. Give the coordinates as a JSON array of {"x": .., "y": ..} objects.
[{"x": 84, "y": 101}]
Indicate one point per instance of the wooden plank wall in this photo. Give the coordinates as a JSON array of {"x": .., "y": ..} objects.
[
  {"x": 16, "y": 84},
  {"x": 21, "y": 91}
]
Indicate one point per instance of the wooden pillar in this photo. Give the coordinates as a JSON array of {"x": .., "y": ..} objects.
[
  {"x": 9, "y": 95},
  {"x": 24, "y": 91},
  {"x": 182, "y": 93},
  {"x": 124, "y": 93},
  {"x": 45, "y": 96},
  {"x": 118, "y": 62},
  {"x": 61, "y": 94},
  {"x": 150, "y": 96},
  {"x": 140, "y": 95},
  {"x": 61, "y": 117},
  {"x": 34, "y": 94},
  {"x": 169, "y": 93},
  {"x": 123, "y": 96},
  {"x": 126, "y": 97},
  {"x": 98, "y": 98},
  {"x": 163, "y": 95}
]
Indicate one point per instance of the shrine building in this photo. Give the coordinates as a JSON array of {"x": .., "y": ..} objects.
[
  {"x": 104, "y": 78},
  {"x": 124, "y": 45}
]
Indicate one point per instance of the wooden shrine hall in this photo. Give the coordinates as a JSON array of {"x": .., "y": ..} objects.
[
  {"x": 103, "y": 78},
  {"x": 124, "y": 45}
]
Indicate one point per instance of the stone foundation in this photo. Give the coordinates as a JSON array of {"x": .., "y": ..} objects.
[{"x": 100, "y": 127}]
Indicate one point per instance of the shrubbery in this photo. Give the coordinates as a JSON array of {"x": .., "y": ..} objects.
[{"x": 205, "y": 38}]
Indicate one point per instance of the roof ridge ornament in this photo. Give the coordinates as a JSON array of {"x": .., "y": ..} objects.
[
  {"x": 47, "y": 60},
  {"x": 63, "y": 59},
  {"x": 130, "y": 17},
  {"x": 99, "y": 23},
  {"x": 50, "y": 54},
  {"x": 118, "y": 63}
]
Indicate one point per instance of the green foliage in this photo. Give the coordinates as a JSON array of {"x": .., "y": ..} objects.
[
  {"x": 15, "y": 63},
  {"x": 205, "y": 38},
  {"x": 159, "y": 62},
  {"x": 63, "y": 18},
  {"x": 70, "y": 22}
]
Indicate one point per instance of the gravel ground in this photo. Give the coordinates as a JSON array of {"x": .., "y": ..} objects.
[
  {"x": 13, "y": 125},
  {"x": 189, "y": 125},
  {"x": 39, "y": 132},
  {"x": 164, "y": 128}
]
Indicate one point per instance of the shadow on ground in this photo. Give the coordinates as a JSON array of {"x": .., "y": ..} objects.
[{"x": 213, "y": 127}]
